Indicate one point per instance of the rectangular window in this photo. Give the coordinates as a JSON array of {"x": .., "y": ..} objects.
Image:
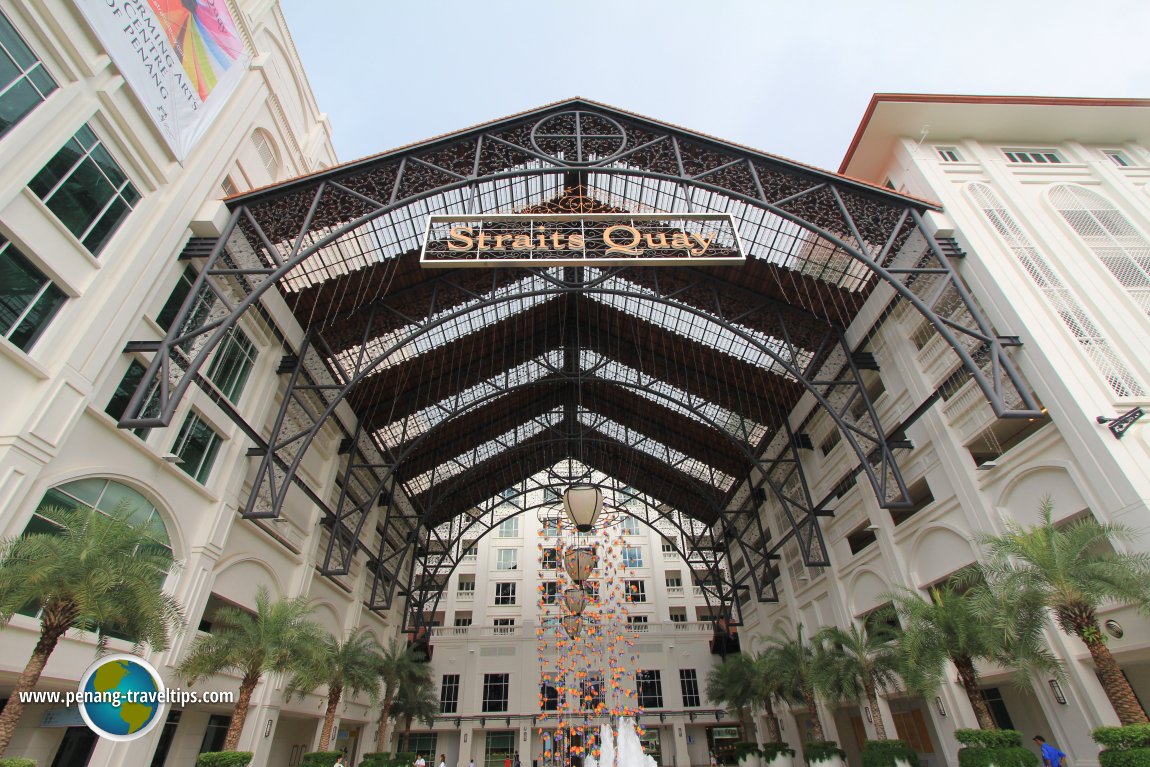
[
  {"x": 632, "y": 556},
  {"x": 197, "y": 445},
  {"x": 24, "y": 82},
  {"x": 636, "y": 591},
  {"x": 466, "y": 589},
  {"x": 550, "y": 593},
  {"x": 551, "y": 527},
  {"x": 86, "y": 190},
  {"x": 674, "y": 581},
  {"x": 495, "y": 690},
  {"x": 504, "y": 593},
  {"x": 649, "y": 689},
  {"x": 509, "y": 528},
  {"x": 504, "y": 625},
  {"x": 216, "y": 732},
  {"x": 28, "y": 299},
  {"x": 199, "y": 312},
  {"x": 630, "y": 526},
  {"x": 678, "y": 614},
  {"x": 231, "y": 364},
  {"x": 637, "y": 622},
  {"x": 592, "y": 589},
  {"x": 667, "y": 547},
  {"x": 689, "y": 684},
  {"x": 1118, "y": 157},
  {"x": 123, "y": 395},
  {"x": 591, "y": 692},
  {"x": 469, "y": 551},
  {"x": 948, "y": 154},
  {"x": 549, "y": 559},
  {"x": 1032, "y": 156},
  {"x": 421, "y": 743},
  {"x": 449, "y": 694},
  {"x": 462, "y": 620},
  {"x": 506, "y": 559}
]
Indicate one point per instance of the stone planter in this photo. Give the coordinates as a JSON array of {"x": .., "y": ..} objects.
[
  {"x": 781, "y": 759},
  {"x": 750, "y": 760}
]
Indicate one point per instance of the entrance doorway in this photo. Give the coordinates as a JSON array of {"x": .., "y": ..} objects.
[{"x": 76, "y": 748}]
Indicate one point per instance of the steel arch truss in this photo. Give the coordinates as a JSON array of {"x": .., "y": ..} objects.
[
  {"x": 339, "y": 248},
  {"x": 442, "y": 549}
]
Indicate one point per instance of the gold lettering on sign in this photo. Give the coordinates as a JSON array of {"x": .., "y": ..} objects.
[{"x": 617, "y": 246}]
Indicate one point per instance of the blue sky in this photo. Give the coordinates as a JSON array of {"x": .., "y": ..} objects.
[{"x": 792, "y": 78}]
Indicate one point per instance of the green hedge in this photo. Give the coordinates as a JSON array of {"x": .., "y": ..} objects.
[
  {"x": 989, "y": 738},
  {"x": 17, "y": 761},
  {"x": 771, "y": 750},
  {"x": 1123, "y": 738},
  {"x": 1014, "y": 756},
  {"x": 1130, "y": 757},
  {"x": 224, "y": 759},
  {"x": 319, "y": 758},
  {"x": 376, "y": 759},
  {"x": 822, "y": 750},
  {"x": 885, "y": 753}
]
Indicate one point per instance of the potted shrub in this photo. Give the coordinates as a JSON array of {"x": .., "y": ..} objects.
[
  {"x": 993, "y": 748},
  {"x": 888, "y": 753},
  {"x": 747, "y": 755},
  {"x": 824, "y": 753},
  {"x": 1127, "y": 746},
  {"x": 777, "y": 754},
  {"x": 224, "y": 759}
]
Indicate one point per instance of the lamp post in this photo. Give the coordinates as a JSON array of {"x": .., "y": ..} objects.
[{"x": 582, "y": 503}]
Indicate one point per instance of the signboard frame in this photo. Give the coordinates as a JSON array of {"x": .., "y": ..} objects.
[{"x": 623, "y": 240}]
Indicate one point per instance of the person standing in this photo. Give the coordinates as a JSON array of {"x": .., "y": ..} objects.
[
  {"x": 471, "y": 763},
  {"x": 339, "y": 762},
  {"x": 714, "y": 762},
  {"x": 419, "y": 762},
  {"x": 1051, "y": 756},
  {"x": 516, "y": 762},
  {"x": 443, "y": 760}
]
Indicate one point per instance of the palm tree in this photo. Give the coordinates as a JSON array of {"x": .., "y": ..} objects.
[
  {"x": 964, "y": 626},
  {"x": 98, "y": 570},
  {"x": 1073, "y": 571},
  {"x": 277, "y": 637},
  {"x": 793, "y": 662},
  {"x": 856, "y": 662},
  {"x": 399, "y": 666},
  {"x": 416, "y": 700},
  {"x": 734, "y": 682},
  {"x": 350, "y": 666},
  {"x": 771, "y": 687}
]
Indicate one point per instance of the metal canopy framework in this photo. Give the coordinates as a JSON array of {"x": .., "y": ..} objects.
[{"x": 681, "y": 383}]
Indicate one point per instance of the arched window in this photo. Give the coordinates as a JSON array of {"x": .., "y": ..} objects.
[
  {"x": 1110, "y": 235},
  {"x": 266, "y": 148},
  {"x": 1061, "y": 297},
  {"x": 103, "y": 495}
]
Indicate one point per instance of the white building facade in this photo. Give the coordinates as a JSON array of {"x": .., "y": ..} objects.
[
  {"x": 1046, "y": 202},
  {"x": 1046, "y": 199}
]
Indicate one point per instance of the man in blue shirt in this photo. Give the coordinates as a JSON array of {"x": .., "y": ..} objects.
[{"x": 1051, "y": 756}]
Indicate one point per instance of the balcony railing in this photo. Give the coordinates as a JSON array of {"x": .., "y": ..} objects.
[
  {"x": 527, "y": 629},
  {"x": 674, "y": 591},
  {"x": 465, "y": 596}
]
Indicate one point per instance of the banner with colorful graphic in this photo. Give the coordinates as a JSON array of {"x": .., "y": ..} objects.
[{"x": 182, "y": 58}]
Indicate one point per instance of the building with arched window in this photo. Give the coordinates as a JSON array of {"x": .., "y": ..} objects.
[{"x": 210, "y": 325}]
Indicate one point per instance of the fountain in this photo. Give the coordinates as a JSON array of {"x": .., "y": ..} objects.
[{"x": 624, "y": 751}]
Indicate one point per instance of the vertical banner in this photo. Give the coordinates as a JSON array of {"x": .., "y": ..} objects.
[{"x": 182, "y": 58}]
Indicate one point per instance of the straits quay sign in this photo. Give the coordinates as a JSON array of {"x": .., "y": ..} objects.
[{"x": 581, "y": 239}]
